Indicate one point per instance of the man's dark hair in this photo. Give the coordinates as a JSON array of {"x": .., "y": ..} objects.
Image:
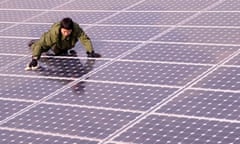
[{"x": 66, "y": 23}]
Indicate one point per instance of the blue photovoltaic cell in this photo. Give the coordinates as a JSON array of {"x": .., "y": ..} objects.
[
  {"x": 5, "y": 60},
  {"x": 31, "y": 4},
  {"x": 106, "y": 49},
  {"x": 10, "y": 15},
  {"x": 202, "y": 35},
  {"x": 123, "y": 33},
  {"x": 150, "y": 73},
  {"x": 173, "y": 5},
  {"x": 96, "y": 5},
  {"x": 79, "y": 17},
  {"x": 26, "y": 30},
  {"x": 225, "y": 105},
  {"x": 216, "y": 19},
  {"x": 8, "y": 108},
  {"x": 143, "y": 18},
  {"x": 234, "y": 61},
  {"x": 113, "y": 95},
  {"x": 14, "y": 46},
  {"x": 5, "y": 25},
  {"x": 182, "y": 53},
  {"x": 226, "y": 78},
  {"x": 84, "y": 122},
  {"x": 163, "y": 129},
  {"x": 28, "y": 88},
  {"x": 228, "y": 5}
]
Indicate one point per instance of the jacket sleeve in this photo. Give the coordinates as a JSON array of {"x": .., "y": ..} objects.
[
  {"x": 47, "y": 40},
  {"x": 85, "y": 41}
]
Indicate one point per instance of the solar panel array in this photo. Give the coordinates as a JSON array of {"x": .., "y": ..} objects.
[{"x": 169, "y": 73}]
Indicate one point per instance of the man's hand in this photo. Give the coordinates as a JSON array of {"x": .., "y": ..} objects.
[
  {"x": 33, "y": 63},
  {"x": 93, "y": 54},
  {"x": 72, "y": 53}
]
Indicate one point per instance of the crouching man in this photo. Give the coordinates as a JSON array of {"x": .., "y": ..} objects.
[{"x": 60, "y": 39}]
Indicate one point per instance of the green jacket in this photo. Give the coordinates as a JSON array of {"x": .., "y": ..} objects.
[{"x": 58, "y": 43}]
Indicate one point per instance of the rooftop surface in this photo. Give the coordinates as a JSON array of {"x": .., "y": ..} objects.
[{"x": 169, "y": 73}]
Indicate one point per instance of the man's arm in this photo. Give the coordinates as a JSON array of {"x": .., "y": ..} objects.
[{"x": 86, "y": 42}]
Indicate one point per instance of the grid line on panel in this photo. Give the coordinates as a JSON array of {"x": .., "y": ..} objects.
[
  {"x": 214, "y": 90},
  {"x": 48, "y": 133},
  {"x": 197, "y": 117},
  {"x": 128, "y": 10},
  {"x": 232, "y": 66},
  {"x": 38, "y": 77},
  {"x": 72, "y": 105},
  {"x": 93, "y": 107},
  {"x": 127, "y": 25},
  {"x": 17, "y": 100}
]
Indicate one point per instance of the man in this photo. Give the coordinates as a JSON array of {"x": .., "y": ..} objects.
[{"x": 60, "y": 39}]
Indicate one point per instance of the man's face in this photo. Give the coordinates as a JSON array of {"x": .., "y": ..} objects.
[{"x": 65, "y": 32}]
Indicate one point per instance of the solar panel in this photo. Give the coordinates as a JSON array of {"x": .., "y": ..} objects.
[{"x": 169, "y": 73}]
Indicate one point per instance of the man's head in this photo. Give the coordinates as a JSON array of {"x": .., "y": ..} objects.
[{"x": 66, "y": 26}]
